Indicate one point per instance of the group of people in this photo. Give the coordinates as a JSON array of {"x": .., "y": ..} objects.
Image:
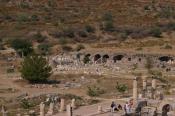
[{"x": 127, "y": 107}]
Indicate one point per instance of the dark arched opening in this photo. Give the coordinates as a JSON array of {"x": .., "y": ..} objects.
[
  {"x": 105, "y": 58},
  {"x": 86, "y": 58},
  {"x": 117, "y": 58},
  {"x": 97, "y": 57},
  {"x": 129, "y": 59},
  {"x": 165, "y": 58}
]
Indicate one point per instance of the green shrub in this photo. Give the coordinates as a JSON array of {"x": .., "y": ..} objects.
[
  {"x": 80, "y": 47},
  {"x": 39, "y": 37},
  {"x": 156, "y": 32},
  {"x": 82, "y": 34},
  {"x": 23, "y": 17},
  {"x": 24, "y": 5},
  {"x": 167, "y": 46},
  {"x": 94, "y": 91},
  {"x": 34, "y": 18},
  {"x": 44, "y": 48},
  {"x": 26, "y": 104},
  {"x": 107, "y": 17},
  {"x": 108, "y": 26},
  {"x": 62, "y": 41},
  {"x": 69, "y": 32},
  {"x": 23, "y": 47},
  {"x": 89, "y": 29},
  {"x": 122, "y": 88},
  {"x": 67, "y": 48}
]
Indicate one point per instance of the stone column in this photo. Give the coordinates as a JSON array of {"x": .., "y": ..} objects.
[
  {"x": 99, "y": 109},
  {"x": 144, "y": 83},
  {"x": 153, "y": 88},
  {"x": 69, "y": 110},
  {"x": 62, "y": 105},
  {"x": 73, "y": 103},
  {"x": 135, "y": 89},
  {"x": 51, "y": 107},
  {"x": 42, "y": 106},
  {"x": 4, "y": 112},
  {"x": 154, "y": 83}
]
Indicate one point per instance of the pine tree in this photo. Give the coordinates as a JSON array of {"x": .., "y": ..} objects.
[{"x": 35, "y": 69}]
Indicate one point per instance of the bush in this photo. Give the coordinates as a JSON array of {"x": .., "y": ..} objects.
[
  {"x": 39, "y": 37},
  {"x": 82, "y": 34},
  {"x": 156, "y": 32},
  {"x": 35, "y": 69},
  {"x": 23, "y": 17},
  {"x": 121, "y": 88},
  {"x": 69, "y": 32},
  {"x": 24, "y": 5},
  {"x": 95, "y": 91},
  {"x": 167, "y": 46},
  {"x": 89, "y": 29},
  {"x": 80, "y": 47},
  {"x": 26, "y": 104},
  {"x": 108, "y": 26},
  {"x": 44, "y": 48},
  {"x": 23, "y": 47},
  {"x": 107, "y": 17},
  {"x": 34, "y": 18},
  {"x": 67, "y": 48},
  {"x": 62, "y": 41}
]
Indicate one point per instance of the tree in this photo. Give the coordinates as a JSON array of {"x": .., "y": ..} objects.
[
  {"x": 23, "y": 47},
  {"x": 35, "y": 69}
]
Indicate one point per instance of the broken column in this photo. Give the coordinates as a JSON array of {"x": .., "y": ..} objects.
[
  {"x": 62, "y": 105},
  {"x": 153, "y": 88},
  {"x": 51, "y": 107},
  {"x": 144, "y": 83},
  {"x": 154, "y": 83},
  {"x": 144, "y": 86},
  {"x": 99, "y": 109},
  {"x": 4, "y": 112},
  {"x": 69, "y": 110},
  {"x": 135, "y": 89},
  {"x": 42, "y": 106},
  {"x": 73, "y": 103}
]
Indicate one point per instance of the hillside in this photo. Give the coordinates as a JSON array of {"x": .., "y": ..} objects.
[{"x": 85, "y": 21}]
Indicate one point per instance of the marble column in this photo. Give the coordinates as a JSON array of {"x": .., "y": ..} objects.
[
  {"x": 135, "y": 89},
  {"x": 154, "y": 83},
  {"x": 69, "y": 110},
  {"x": 42, "y": 106},
  {"x": 99, "y": 109},
  {"x": 73, "y": 103},
  {"x": 51, "y": 108},
  {"x": 62, "y": 105}
]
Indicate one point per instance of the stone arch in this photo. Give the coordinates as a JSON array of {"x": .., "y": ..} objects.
[
  {"x": 165, "y": 58},
  {"x": 129, "y": 59},
  {"x": 87, "y": 58},
  {"x": 117, "y": 58},
  {"x": 97, "y": 57},
  {"x": 105, "y": 58}
]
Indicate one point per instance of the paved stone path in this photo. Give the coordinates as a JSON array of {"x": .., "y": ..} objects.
[{"x": 92, "y": 109}]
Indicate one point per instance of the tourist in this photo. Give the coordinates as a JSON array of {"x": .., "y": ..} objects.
[
  {"x": 127, "y": 108},
  {"x": 113, "y": 107}
]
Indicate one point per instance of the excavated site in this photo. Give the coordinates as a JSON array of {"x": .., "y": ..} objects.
[{"x": 87, "y": 58}]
